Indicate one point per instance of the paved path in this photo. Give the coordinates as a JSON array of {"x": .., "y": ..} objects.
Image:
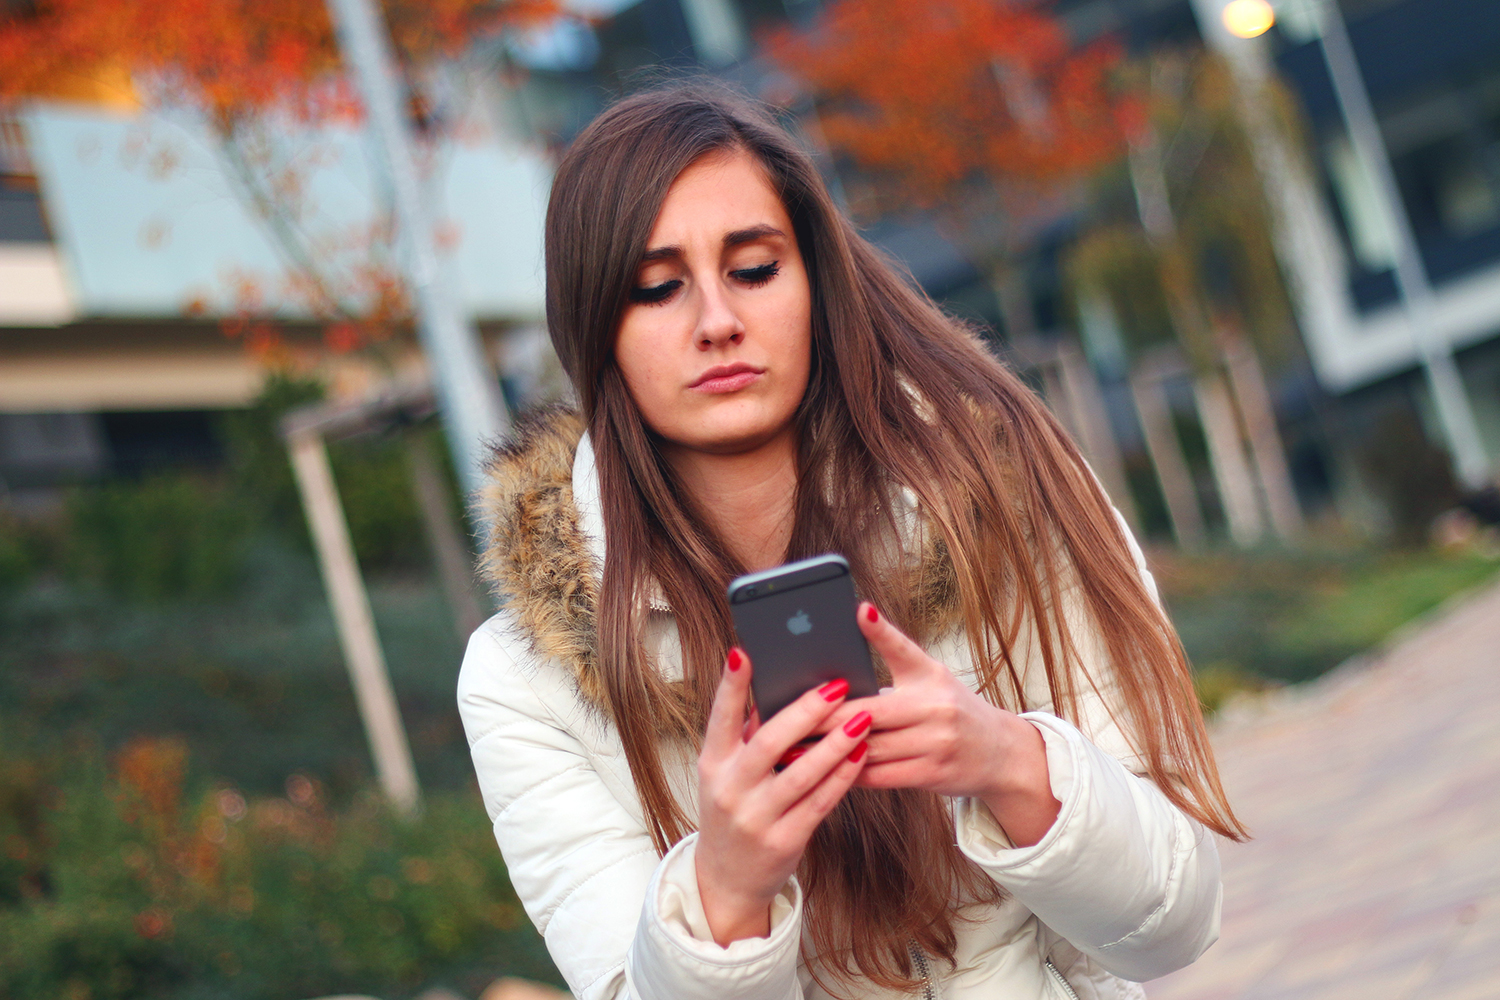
[{"x": 1374, "y": 797}]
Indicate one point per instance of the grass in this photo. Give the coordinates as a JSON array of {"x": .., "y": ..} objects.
[{"x": 1249, "y": 620}]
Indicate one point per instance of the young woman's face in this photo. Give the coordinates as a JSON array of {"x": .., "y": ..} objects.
[{"x": 716, "y": 341}]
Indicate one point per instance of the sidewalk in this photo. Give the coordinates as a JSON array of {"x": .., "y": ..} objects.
[{"x": 1374, "y": 799}]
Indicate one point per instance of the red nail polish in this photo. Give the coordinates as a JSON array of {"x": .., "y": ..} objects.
[
  {"x": 857, "y": 725},
  {"x": 834, "y": 690},
  {"x": 858, "y": 753},
  {"x": 872, "y": 614},
  {"x": 736, "y": 660},
  {"x": 791, "y": 755}
]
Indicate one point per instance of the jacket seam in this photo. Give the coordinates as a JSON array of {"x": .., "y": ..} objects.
[
  {"x": 551, "y": 911},
  {"x": 536, "y": 785},
  {"x": 618, "y": 966}
]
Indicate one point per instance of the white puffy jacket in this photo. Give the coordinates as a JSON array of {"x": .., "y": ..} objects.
[{"x": 1122, "y": 889}]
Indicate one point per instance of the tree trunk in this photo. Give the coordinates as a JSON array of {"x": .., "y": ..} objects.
[
  {"x": 1093, "y": 430},
  {"x": 1266, "y": 448},
  {"x": 445, "y": 539},
  {"x": 1165, "y": 450},
  {"x": 1226, "y": 454}
]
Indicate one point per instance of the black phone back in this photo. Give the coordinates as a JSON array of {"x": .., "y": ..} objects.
[{"x": 797, "y": 623}]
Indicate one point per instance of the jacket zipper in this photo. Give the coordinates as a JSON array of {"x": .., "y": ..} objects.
[
  {"x": 929, "y": 990},
  {"x": 1066, "y": 988}
]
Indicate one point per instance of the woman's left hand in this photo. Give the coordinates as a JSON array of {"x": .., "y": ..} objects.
[{"x": 930, "y": 731}]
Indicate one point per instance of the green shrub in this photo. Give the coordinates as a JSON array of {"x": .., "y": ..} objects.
[
  {"x": 16, "y": 563},
  {"x": 1291, "y": 616},
  {"x": 140, "y": 889},
  {"x": 371, "y": 472},
  {"x": 174, "y": 534},
  {"x": 257, "y": 463},
  {"x": 375, "y": 487},
  {"x": 185, "y": 533}
]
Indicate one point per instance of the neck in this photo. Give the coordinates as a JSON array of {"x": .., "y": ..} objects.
[{"x": 748, "y": 497}]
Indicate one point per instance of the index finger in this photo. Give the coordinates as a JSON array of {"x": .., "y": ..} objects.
[{"x": 726, "y": 719}]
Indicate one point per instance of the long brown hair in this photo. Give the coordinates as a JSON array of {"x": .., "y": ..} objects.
[{"x": 900, "y": 396}]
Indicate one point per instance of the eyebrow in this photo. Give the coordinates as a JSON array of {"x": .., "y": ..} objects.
[{"x": 731, "y": 239}]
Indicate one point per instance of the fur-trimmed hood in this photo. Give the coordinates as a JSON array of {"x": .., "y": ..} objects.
[
  {"x": 538, "y": 559},
  {"x": 544, "y": 555}
]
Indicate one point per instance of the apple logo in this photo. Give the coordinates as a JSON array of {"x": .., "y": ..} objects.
[{"x": 799, "y": 624}]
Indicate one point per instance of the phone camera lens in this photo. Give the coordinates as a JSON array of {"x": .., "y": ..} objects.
[{"x": 750, "y": 592}]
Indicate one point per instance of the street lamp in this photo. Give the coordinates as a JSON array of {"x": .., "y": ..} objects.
[{"x": 1248, "y": 18}]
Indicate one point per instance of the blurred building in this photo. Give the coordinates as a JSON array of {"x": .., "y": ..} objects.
[
  {"x": 1432, "y": 69},
  {"x": 128, "y": 247}
]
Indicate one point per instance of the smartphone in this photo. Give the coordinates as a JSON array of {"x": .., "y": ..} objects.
[{"x": 797, "y": 623}]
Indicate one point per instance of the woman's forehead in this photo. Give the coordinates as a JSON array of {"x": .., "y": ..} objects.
[{"x": 721, "y": 194}]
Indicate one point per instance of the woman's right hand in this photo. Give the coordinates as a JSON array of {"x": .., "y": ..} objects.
[{"x": 754, "y": 822}]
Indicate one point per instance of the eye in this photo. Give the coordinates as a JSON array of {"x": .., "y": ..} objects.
[
  {"x": 757, "y": 276},
  {"x": 655, "y": 293}
]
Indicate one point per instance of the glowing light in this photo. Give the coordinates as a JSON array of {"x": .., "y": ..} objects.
[{"x": 1248, "y": 18}]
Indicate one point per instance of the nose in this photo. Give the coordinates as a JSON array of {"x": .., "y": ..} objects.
[{"x": 719, "y": 325}]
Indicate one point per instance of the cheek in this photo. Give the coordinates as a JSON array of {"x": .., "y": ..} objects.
[
  {"x": 638, "y": 357},
  {"x": 797, "y": 322}
]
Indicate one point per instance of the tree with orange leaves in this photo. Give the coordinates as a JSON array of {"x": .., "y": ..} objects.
[
  {"x": 249, "y": 71},
  {"x": 983, "y": 109},
  {"x": 233, "y": 57}
]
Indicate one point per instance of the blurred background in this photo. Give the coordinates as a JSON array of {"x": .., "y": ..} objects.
[{"x": 258, "y": 308}]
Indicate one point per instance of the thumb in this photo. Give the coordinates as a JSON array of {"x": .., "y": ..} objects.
[
  {"x": 906, "y": 660},
  {"x": 726, "y": 719}
]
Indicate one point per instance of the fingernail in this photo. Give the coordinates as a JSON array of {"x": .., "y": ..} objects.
[
  {"x": 834, "y": 689},
  {"x": 736, "y": 660},
  {"x": 791, "y": 755},
  {"x": 858, "y": 753},
  {"x": 872, "y": 614},
  {"x": 857, "y": 725}
]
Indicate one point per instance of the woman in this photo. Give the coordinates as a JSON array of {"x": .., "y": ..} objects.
[{"x": 757, "y": 385}]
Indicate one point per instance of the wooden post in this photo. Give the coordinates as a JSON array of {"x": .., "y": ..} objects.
[
  {"x": 1092, "y": 426},
  {"x": 445, "y": 539},
  {"x": 1248, "y": 380},
  {"x": 1166, "y": 456},
  {"x": 1226, "y": 454},
  {"x": 356, "y": 624}
]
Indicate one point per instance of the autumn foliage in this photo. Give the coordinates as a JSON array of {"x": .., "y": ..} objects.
[
  {"x": 231, "y": 56},
  {"x": 939, "y": 94}
]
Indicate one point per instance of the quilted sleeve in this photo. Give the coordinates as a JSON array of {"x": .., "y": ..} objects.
[
  {"x": 619, "y": 921},
  {"x": 1123, "y": 874}
]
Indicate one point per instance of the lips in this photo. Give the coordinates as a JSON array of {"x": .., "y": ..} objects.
[{"x": 727, "y": 378}]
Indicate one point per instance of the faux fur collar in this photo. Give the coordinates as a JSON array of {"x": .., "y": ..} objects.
[
  {"x": 538, "y": 559},
  {"x": 543, "y": 557}
]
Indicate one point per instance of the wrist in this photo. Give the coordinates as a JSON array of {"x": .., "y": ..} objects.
[
  {"x": 1019, "y": 795},
  {"x": 733, "y": 916}
]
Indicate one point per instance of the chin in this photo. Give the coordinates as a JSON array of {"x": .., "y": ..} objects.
[{"x": 730, "y": 439}]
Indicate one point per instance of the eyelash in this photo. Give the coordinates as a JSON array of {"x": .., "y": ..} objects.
[{"x": 754, "y": 277}]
